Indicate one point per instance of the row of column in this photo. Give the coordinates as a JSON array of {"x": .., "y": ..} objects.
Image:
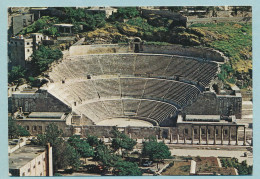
[{"x": 215, "y": 135}]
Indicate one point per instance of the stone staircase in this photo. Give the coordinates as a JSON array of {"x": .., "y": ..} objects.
[{"x": 247, "y": 114}]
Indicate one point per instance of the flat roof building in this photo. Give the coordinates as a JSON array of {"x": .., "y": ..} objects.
[{"x": 31, "y": 160}]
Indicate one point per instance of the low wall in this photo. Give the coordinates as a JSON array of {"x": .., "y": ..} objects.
[
  {"x": 136, "y": 132},
  {"x": 98, "y": 49},
  {"x": 218, "y": 20},
  {"x": 205, "y": 53},
  {"x": 198, "y": 52}
]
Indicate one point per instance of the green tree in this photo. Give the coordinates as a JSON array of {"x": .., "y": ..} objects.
[
  {"x": 124, "y": 168},
  {"x": 16, "y": 73},
  {"x": 93, "y": 21},
  {"x": 125, "y": 13},
  {"x": 15, "y": 130},
  {"x": 104, "y": 155},
  {"x": 92, "y": 140},
  {"x": 63, "y": 154},
  {"x": 156, "y": 151},
  {"x": 175, "y": 8},
  {"x": 43, "y": 57},
  {"x": 81, "y": 146},
  {"x": 122, "y": 141}
]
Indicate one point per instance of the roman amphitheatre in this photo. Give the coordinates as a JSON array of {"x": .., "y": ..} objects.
[{"x": 145, "y": 90}]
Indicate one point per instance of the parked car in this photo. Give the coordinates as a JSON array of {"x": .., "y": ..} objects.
[{"x": 147, "y": 163}]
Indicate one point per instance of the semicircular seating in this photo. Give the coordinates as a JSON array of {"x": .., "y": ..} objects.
[
  {"x": 123, "y": 85},
  {"x": 144, "y": 109},
  {"x": 146, "y": 65}
]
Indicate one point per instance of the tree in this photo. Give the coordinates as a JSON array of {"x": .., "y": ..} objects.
[
  {"x": 43, "y": 57},
  {"x": 15, "y": 130},
  {"x": 124, "y": 168},
  {"x": 175, "y": 8},
  {"x": 81, "y": 146},
  {"x": 122, "y": 141},
  {"x": 125, "y": 13},
  {"x": 105, "y": 156},
  {"x": 16, "y": 73},
  {"x": 156, "y": 151},
  {"x": 92, "y": 140},
  {"x": 63, "y": 154}
]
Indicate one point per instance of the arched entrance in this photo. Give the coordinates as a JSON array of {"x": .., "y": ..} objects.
[{"x": 137, "y": 44}]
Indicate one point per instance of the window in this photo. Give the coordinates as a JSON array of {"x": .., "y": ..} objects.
[
  {"x": 225, "y": 132},
  {"x": 27, "y": 128},
  {"x": 195, "y": 131},
  {"x": 12, "y": 42},
  {"x": 28, "y": 50},
  {"x": 34, "y": 166},
  {"x": 40, "y": 128},
  {"x": 208, "y": 131},
  {"x": 21, "y": 43},
  {"x": 23, "y": 173},
  {"x": 39, "y": 162},
  {"x": 203, "y": 131},
  {"x": 186, "y": 131},
  {"x": 41, "y": 174},
  {"x": 24, "y": 22},
  {"x": 34, "y": 128},
  {"x": 28, "y": 43},
  {"x": 29, "y": 170},
  {"x": 216, "y": 131}
]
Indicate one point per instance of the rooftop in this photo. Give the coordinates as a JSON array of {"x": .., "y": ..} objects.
[
  {"x": 64, "y": 25},
  {"x": 23, "y": 155},
  {"x": 53, "y": 115}
]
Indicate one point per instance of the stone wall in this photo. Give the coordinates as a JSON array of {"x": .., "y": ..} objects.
[
  {"x": 218, "y": 20},
  {"x": 178, "y": 18},
  {"x": 199, "y": 52},
  {"x": 41, "y": 101},
  {"x": 98, "y": 49},
  {"x": 208, "y": 103},
  {"x": 106, "y": 131},
  {"x": 205, "y": 53},
  {"x": 39, "y": 126}
]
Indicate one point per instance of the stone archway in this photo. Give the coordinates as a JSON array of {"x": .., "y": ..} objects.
[{"x": 137, "y": 44}]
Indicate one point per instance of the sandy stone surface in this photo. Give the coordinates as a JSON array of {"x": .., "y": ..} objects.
[{"x": 123, "y": 122}]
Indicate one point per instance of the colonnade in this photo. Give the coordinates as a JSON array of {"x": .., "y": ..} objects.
[{"x": 206, "y": 129}]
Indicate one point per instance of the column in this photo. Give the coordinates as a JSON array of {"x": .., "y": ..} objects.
[
  {"x": 156, "y": 137},
  {"x": 214, "y": 135},
  {"x": 207, "y": 137},
  {"x": 171, "y": 137},
  {"x": 130, "y": 135},
  {"x": 199, "y": 134},
  {"x": 221, "y": 135},
  {"x": 229, "y": 138},
  {"x": 184, "y": 139},
  {"x": 177, "y": 136},
  {"x": 192, "y": 134},
  {"x": 244, "y": 135},
  {"x": 236, "y": 135}
]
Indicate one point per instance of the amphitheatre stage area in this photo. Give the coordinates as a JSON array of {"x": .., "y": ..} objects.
[{"x": 123, "y": 122}]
